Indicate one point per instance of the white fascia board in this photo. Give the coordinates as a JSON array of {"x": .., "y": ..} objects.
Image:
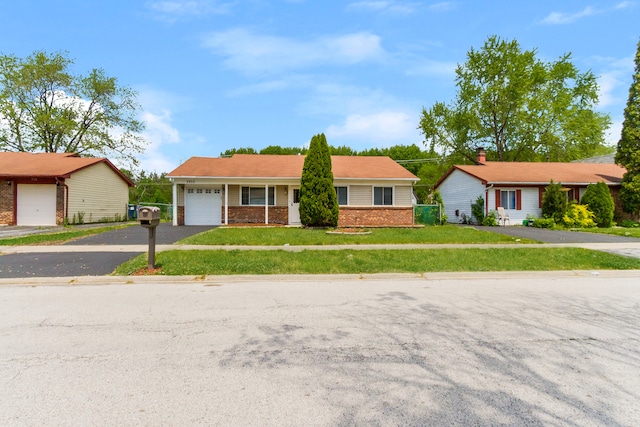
[{"x": 529, "y": 184}]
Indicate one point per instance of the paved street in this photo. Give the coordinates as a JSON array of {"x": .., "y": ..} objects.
[{"x": 446, "y": 349}]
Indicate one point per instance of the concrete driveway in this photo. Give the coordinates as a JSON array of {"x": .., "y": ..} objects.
[
  {"x": 480, "y": 349},
  {"x": 62, "y": 264}
]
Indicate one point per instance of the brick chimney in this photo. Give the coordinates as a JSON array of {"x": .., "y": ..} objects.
[{"x": 482, "y": 156}]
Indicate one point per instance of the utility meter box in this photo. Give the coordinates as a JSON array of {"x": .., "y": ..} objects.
[{"x": 149, "y": 216}]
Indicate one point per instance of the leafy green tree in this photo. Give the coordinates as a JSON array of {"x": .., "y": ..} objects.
[
  {"x": 245, "y": 150},
  {"x": 518, "y": 107},
  {"x": 342, "y": 150},
  {"x": 598, "y": 199},
  {"x": 45, "y": 108},
  {"x": 628, "y": 154},
  {"x": 151, "y": 188},
  {"x": 554, "y": 202},
  {"x": 276, "y": 149},
  {"x": 318, "y": 200}
]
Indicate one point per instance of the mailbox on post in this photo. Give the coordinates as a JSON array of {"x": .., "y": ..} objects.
[{"x": 149, "y": 217}]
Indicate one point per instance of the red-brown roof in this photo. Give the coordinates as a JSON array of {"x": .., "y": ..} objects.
[
  {"x": 48, "y": 165},
  {"x": 289, "y": 166},
  {"x": 542, "y": 173}
]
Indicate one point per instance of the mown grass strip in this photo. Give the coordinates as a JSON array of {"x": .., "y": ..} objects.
[
  {"x": 221, "y": 262},
  {"x": 278, "y": 236},
  {"x": 615, "y": 231},
  {"x": 56, "y": 237}
]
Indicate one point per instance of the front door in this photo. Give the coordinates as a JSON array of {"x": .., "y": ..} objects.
[{"x": 294, "y": 205}]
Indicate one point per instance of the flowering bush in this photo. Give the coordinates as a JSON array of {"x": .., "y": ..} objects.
[{"x": 578, "y": 216}]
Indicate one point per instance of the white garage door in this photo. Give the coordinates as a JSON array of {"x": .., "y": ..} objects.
[
  {"x": 203, "y": 206},
  {"x": 36, "y": 204}
]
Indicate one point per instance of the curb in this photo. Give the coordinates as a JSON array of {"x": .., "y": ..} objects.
[{"x": 309, "y": 278}]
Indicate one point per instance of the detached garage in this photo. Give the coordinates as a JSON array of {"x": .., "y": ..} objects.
[{"x": 39, "y": 189}]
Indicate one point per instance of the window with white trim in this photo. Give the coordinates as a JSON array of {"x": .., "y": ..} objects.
[
  {"x": 508, "y": 199},
  {"x": 254, "y": 196},
  {"x": 383, "y": 196},
  {"x": 342, "y": 195}
]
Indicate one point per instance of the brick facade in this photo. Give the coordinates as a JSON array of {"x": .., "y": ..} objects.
[
  {"x": 619, "y": 214},
  {"x": 375, "y": 216},
  {"x": 6, "y": 202},
  {"x": 60, "y": 201},
  {"x": 180, "y": 215},
  {"x": 255, "y": 214}
]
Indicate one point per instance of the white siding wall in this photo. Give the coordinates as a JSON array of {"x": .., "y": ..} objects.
[
  {"x": 282, "y": 198},
  {"x": 403, "y": 195},
  {"x": 459, "y": 190},
  {"x": 360, "y": 195},
  {"x": 99, "y": 192},
  {"x": 529, "y": 204}
]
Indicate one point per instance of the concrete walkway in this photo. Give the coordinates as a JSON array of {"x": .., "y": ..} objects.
[{"x": 608, "y": 247}]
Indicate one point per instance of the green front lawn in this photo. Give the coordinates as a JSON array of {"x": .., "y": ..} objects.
[
  {"x": 278, "y": 236},
  {"x": 222, "y": 262},
  {"x": 616, "y": 231}
]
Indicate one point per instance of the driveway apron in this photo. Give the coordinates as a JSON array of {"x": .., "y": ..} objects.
[{"x": 63, "y": 264}]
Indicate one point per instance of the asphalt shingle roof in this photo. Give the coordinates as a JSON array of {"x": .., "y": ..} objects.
[
  {"x": 289, "y": 166},
  {"x": 542, "y": 173},
  {"x": 48, "y": 165}
]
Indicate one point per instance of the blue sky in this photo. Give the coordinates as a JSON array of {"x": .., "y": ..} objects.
[{"x": 218, "y": 74}]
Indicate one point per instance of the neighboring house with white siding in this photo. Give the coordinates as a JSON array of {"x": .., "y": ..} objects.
[
  {"x": 47, "y": 188},
  {"x": 518, "y": 186},
  {"x": 262, "y": 188}
]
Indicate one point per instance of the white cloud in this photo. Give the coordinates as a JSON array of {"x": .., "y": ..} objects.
[
  {"x": 381, "y": 128},
  {"x": 613, "y": 82},
  {"x": 382, "y": 6},
  {"x": 159, "y": 132},
  {"x": 433, "y": 68},
  {"x": 287, "y": 82},
  {"x": 625, "y": 5},
  {"x": 556, "y": 18},
  {"x": 256, "y": 53},
  {"x": 159, "y": 129},
  {"x": 607, "y": 83},
  {"x": 158, "y": 108},
  {"x": 612, "y": 136},
  {"x": 444, "y": 6},
  {"x": 333, "y": 99},
  {"x": 173, "y": 10}
]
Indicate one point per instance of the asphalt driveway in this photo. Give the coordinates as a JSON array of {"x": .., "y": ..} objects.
[
  {"x": 64, "y": 264},
  {"x": 166, "y": 234}
]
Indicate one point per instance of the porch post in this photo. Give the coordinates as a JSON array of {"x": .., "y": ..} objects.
[
  {"x": 174, "y": 208},
  {"x": 226, "y": 204},
  {"x": 266, "y": 203}
]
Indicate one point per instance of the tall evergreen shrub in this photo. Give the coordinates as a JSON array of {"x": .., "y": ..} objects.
[
  {"x": 318, "y": 201},
  {"x": 628, "y": 153},
  {"x": 598, "y": 198},
  {"x": 554, "y": 202}
]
